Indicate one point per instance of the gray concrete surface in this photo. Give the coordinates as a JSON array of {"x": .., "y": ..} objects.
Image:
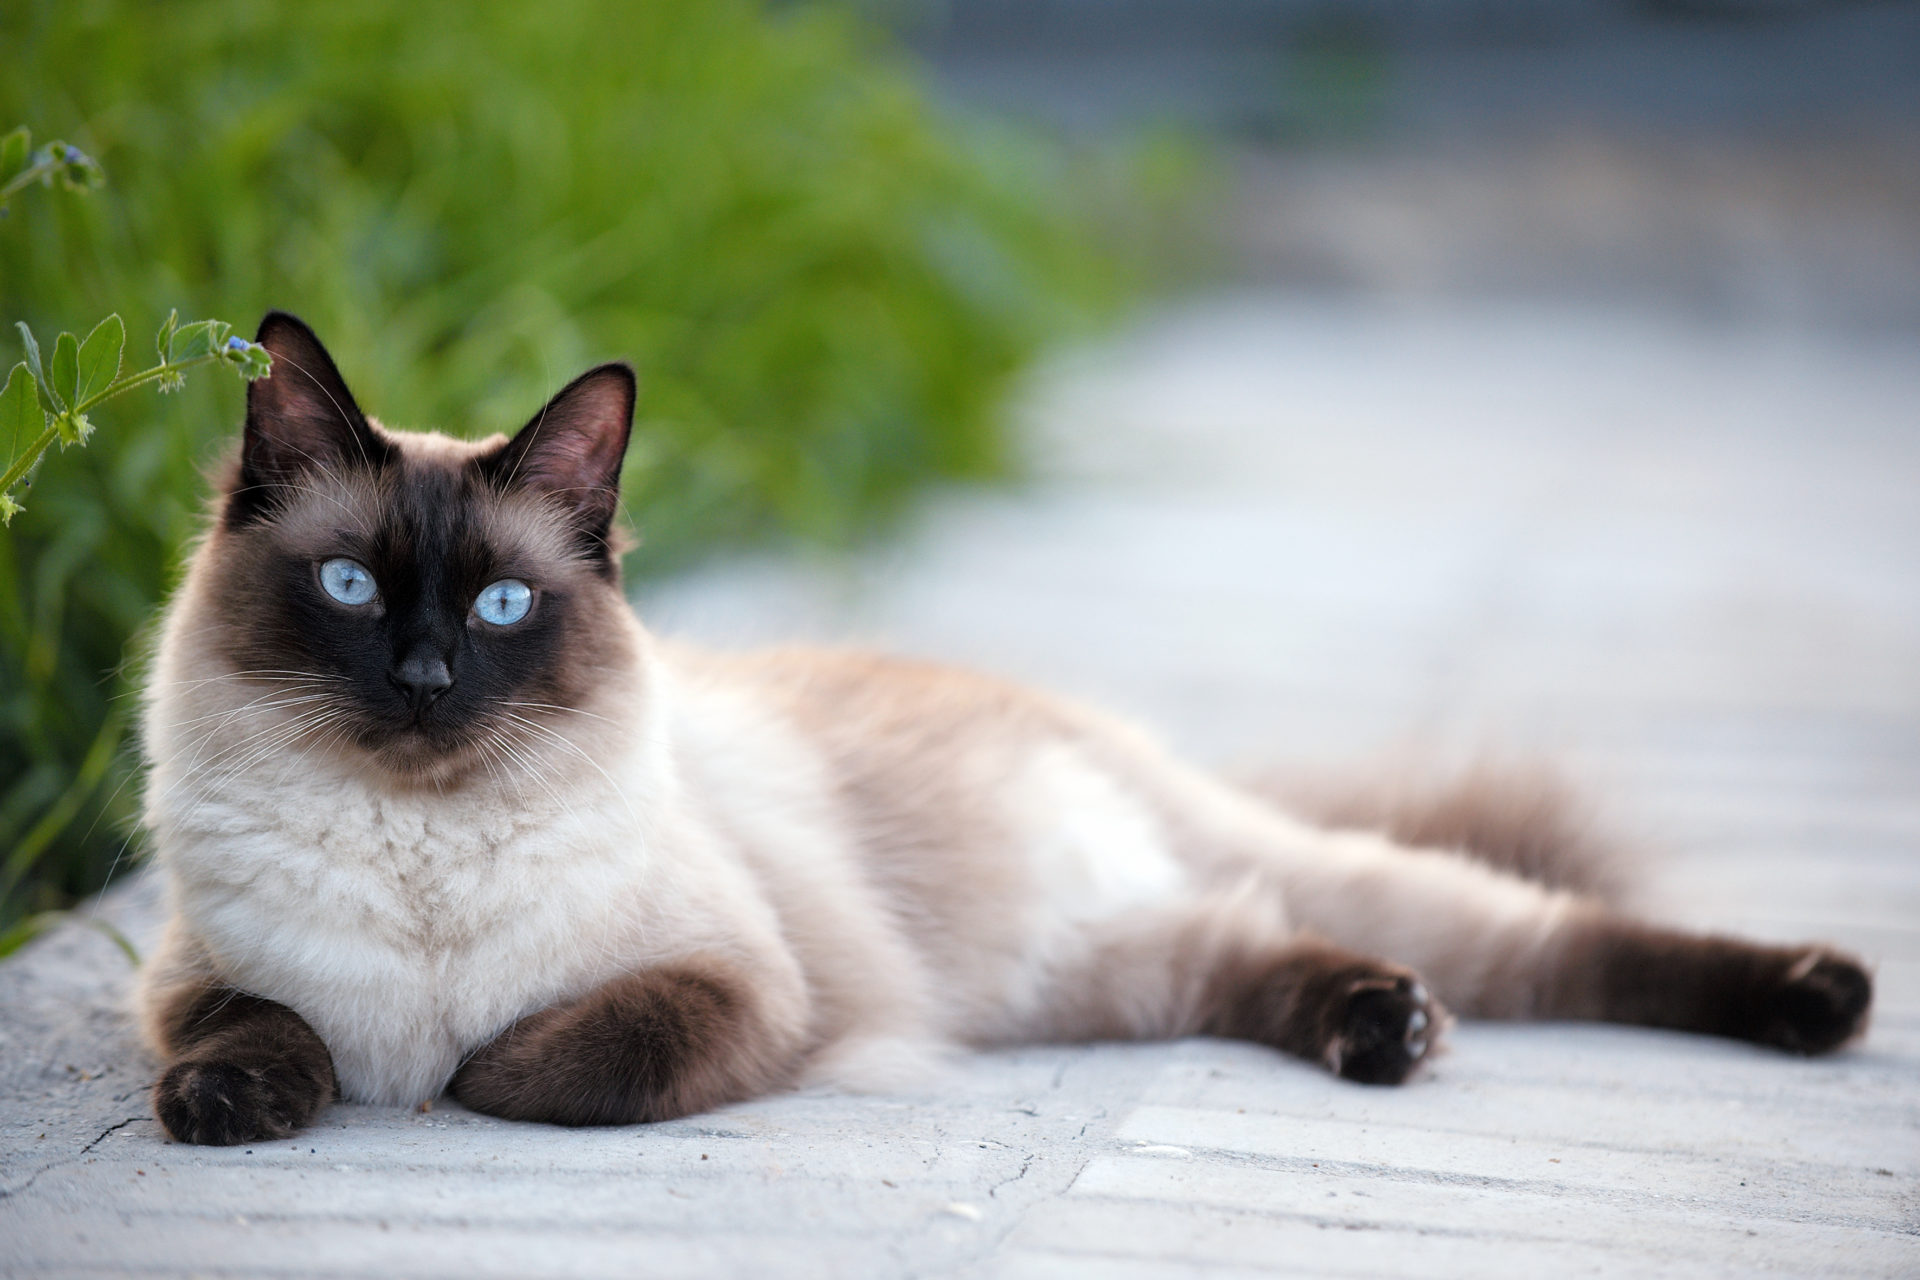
[{"x": 1683, "y": 559}]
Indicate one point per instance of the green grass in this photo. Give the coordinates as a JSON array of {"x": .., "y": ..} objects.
[{"x": 828, "y": 289}]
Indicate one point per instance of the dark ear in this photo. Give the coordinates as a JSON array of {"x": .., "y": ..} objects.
[
  {"x": 571, "y": 452},
  {"x": 300, "y": 418}
]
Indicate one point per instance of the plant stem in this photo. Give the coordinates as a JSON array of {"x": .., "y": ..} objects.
[
  {"x": 24, "y": 463},
  {"x": 27, "y": 177},
  {"x": 141, "y": 379}
]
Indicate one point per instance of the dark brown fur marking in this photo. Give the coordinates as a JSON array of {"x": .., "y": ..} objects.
[
  {"x": 1802, "y": 999},
  {"x": 244, "y": 1069},
  {"x": 649, "y": 1046},
  {"x": 1367, "y": 1020}
]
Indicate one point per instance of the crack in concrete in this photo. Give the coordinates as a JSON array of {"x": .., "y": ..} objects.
[
  {"x": 993, "y": 1192},
  {"x": 102, "y": 1136},
  {"x": 7, "y": 1193}
]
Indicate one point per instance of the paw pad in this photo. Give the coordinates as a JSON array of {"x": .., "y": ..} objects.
[
  {"x": 1388, "y": 1026},
  {"x": 221, "y": 1104},
  {"x": 1819, "y": 1005}
]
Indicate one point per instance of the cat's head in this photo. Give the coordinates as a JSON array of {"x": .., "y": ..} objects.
[{"x": 433, "y": 600}]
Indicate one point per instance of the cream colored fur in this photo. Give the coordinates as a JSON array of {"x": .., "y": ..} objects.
[{"x": 903, "y": 857}]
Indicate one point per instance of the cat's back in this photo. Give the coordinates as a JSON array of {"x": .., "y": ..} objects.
[{"x": 900, "y": 745}]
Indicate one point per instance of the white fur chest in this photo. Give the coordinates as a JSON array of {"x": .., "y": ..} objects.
[{"x": 406, "y": 928}]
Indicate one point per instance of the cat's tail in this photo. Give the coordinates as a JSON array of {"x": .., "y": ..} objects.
[{"x": 1525, "y": 820}]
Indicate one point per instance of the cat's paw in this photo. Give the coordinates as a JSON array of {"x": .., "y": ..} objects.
[
  {"x": 219, "y": 1104},
  {"x": 1818, "y": 1004},
  {"x": 1387, "y": 1027}
]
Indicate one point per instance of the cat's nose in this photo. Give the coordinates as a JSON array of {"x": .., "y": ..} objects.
[{"x": 422, "y": 678}]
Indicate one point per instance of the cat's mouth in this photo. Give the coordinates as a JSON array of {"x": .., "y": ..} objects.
[{"x": 429, "y": 743}]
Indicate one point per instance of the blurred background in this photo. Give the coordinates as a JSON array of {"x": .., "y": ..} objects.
[{"x": 1318, "y": 377}]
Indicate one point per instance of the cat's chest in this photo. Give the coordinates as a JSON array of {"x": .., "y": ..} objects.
[
  {"x": 410, "y": 874},
  {"x": 405, "y": 931}
]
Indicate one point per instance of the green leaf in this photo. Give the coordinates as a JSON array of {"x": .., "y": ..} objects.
[
  {"x": 65, "y": 371},
  {"x": 21, "y": 417},
  {"x": 201, "y": 338},
  {"x": 13, "y": 151},
  {"x": 165, "y": 335},
  {"x": 100, "y": 357},
  {"x": 33, "y": 351}
]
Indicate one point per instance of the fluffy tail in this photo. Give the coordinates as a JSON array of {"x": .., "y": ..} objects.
[{"x": 1527, "y": 821}]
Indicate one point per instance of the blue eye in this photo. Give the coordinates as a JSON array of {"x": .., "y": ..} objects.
[
  {"x": 505, "y": 602},
  {"x": 348, "y": 581}
]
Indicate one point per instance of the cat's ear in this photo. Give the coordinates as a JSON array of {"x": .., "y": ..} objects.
[
  {"x": 300, "y": 418},
  {"x": 570, "y": 453}
]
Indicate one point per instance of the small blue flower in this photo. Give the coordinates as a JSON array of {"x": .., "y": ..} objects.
[
  {"x": 237, "y": 343},
  {"x": 74, "y": 154}
]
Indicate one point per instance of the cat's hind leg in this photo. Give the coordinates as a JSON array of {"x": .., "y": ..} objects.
[
  {"x": 1807, "y": 999},
  {"x": 1227, "y": 964},
  {"x": 1496, "y": 946},
  {"x": 1362, "y": 1018}
]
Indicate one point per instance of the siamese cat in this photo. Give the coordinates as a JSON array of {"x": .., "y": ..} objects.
[{"x": 435, "y": 811}]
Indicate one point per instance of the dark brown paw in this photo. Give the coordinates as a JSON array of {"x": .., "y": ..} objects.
[
  {"x": 1387, "y": 1027},
  {"x": 1820, "y": 1003},
  {"x": 490, "y": 1085},
  {"x": 220, "y": 1104}
]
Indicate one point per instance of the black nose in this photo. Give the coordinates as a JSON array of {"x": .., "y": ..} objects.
[{"x": 423, "y": 677}]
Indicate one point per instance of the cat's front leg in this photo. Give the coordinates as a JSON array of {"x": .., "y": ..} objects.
[
  {"x": 653, "y": 1045},
  {"x": 243, "y": 1069}
]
